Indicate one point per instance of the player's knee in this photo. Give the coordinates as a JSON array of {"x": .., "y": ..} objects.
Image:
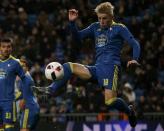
[
  {"x": 75, "y": 67},
  {"x": 110, "y": 101}
]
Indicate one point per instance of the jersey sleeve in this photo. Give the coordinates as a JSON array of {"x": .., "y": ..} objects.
[
  {"x": 20, "y": 71},
  {"x": 27, "y": 84},
  {"x": 80, "y": 34},
  {"x": 126, "y": 35}
]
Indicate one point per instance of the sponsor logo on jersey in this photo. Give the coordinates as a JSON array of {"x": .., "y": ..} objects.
[
  {"x": 2, "y": 74},
  {"x": 101, "y": 40}
]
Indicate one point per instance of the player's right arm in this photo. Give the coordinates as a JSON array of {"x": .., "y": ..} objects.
[{"x": 87, "y": 32}]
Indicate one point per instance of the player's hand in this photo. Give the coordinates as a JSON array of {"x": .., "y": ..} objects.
[
  {"x": 72, "y": 14},
  {"x": 132, "y": 63},
  {"x": 22, "y": 104}
]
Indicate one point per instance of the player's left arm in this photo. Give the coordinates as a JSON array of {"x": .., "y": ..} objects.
[
  {"x": 20, "y": 72},
  {"x": 126, "y": 35}
]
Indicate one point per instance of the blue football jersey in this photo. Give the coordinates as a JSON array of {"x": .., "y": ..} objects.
[
  {"x": 9, "y": 69},
  {"x": 29, "y": 116},
  {"x": 27, "y": 93},
  {"x": 108, "y": 41}
]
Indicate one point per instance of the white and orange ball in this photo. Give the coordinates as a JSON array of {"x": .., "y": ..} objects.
[{"x": 54, "y": 71}]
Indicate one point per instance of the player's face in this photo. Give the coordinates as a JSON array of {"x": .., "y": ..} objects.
[
  {"x": 104, "y": 19},
  {"x": 5, "y": 49}
]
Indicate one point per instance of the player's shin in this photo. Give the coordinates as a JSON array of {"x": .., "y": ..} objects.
[
  {"x": 119, "y": 104},
  {"x": 67, "y": 75}
]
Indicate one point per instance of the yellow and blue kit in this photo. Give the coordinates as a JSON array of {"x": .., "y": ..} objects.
[
  {"x": 9, "y": 69},
  {"x": 108, "y": 44},
  {"x": 30, "y": 115}
]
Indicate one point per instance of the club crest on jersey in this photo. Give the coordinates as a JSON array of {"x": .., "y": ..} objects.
[{"x": 101, "y": 40}]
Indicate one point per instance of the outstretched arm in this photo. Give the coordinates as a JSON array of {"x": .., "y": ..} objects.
[
  {"x": 125, "y": 33},
  {"x": 78, "y": 35}
]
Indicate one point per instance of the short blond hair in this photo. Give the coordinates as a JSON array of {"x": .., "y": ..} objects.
[{"x": 105, "y": 8}]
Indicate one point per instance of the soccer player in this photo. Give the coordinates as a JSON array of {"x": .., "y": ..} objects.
[
  {"x": 109, "y": 37},
  {"x": 29, "y": 106},
  {"x": 9, "y": 69}
]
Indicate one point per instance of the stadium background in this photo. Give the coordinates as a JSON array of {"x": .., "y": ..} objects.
[{"x": 40, "y": 32}]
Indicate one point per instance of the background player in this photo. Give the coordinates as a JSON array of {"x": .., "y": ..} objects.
[
  {"x": 9, "y": 69},
  {"x": 29, "y": 107}
]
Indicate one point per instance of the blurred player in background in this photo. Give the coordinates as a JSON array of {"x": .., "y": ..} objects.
[
  {"x": 109, "y": 38},
  {"x": 9, "y": 69},
  {"x": 28, "y": 104}
]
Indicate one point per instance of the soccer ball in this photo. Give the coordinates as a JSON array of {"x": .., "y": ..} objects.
[{"x": 54, "y": 71}]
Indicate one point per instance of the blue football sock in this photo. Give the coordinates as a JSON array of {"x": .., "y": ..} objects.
[
  {"x": 119, "y": 104},
  {"x": 67, "y": 75}
]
